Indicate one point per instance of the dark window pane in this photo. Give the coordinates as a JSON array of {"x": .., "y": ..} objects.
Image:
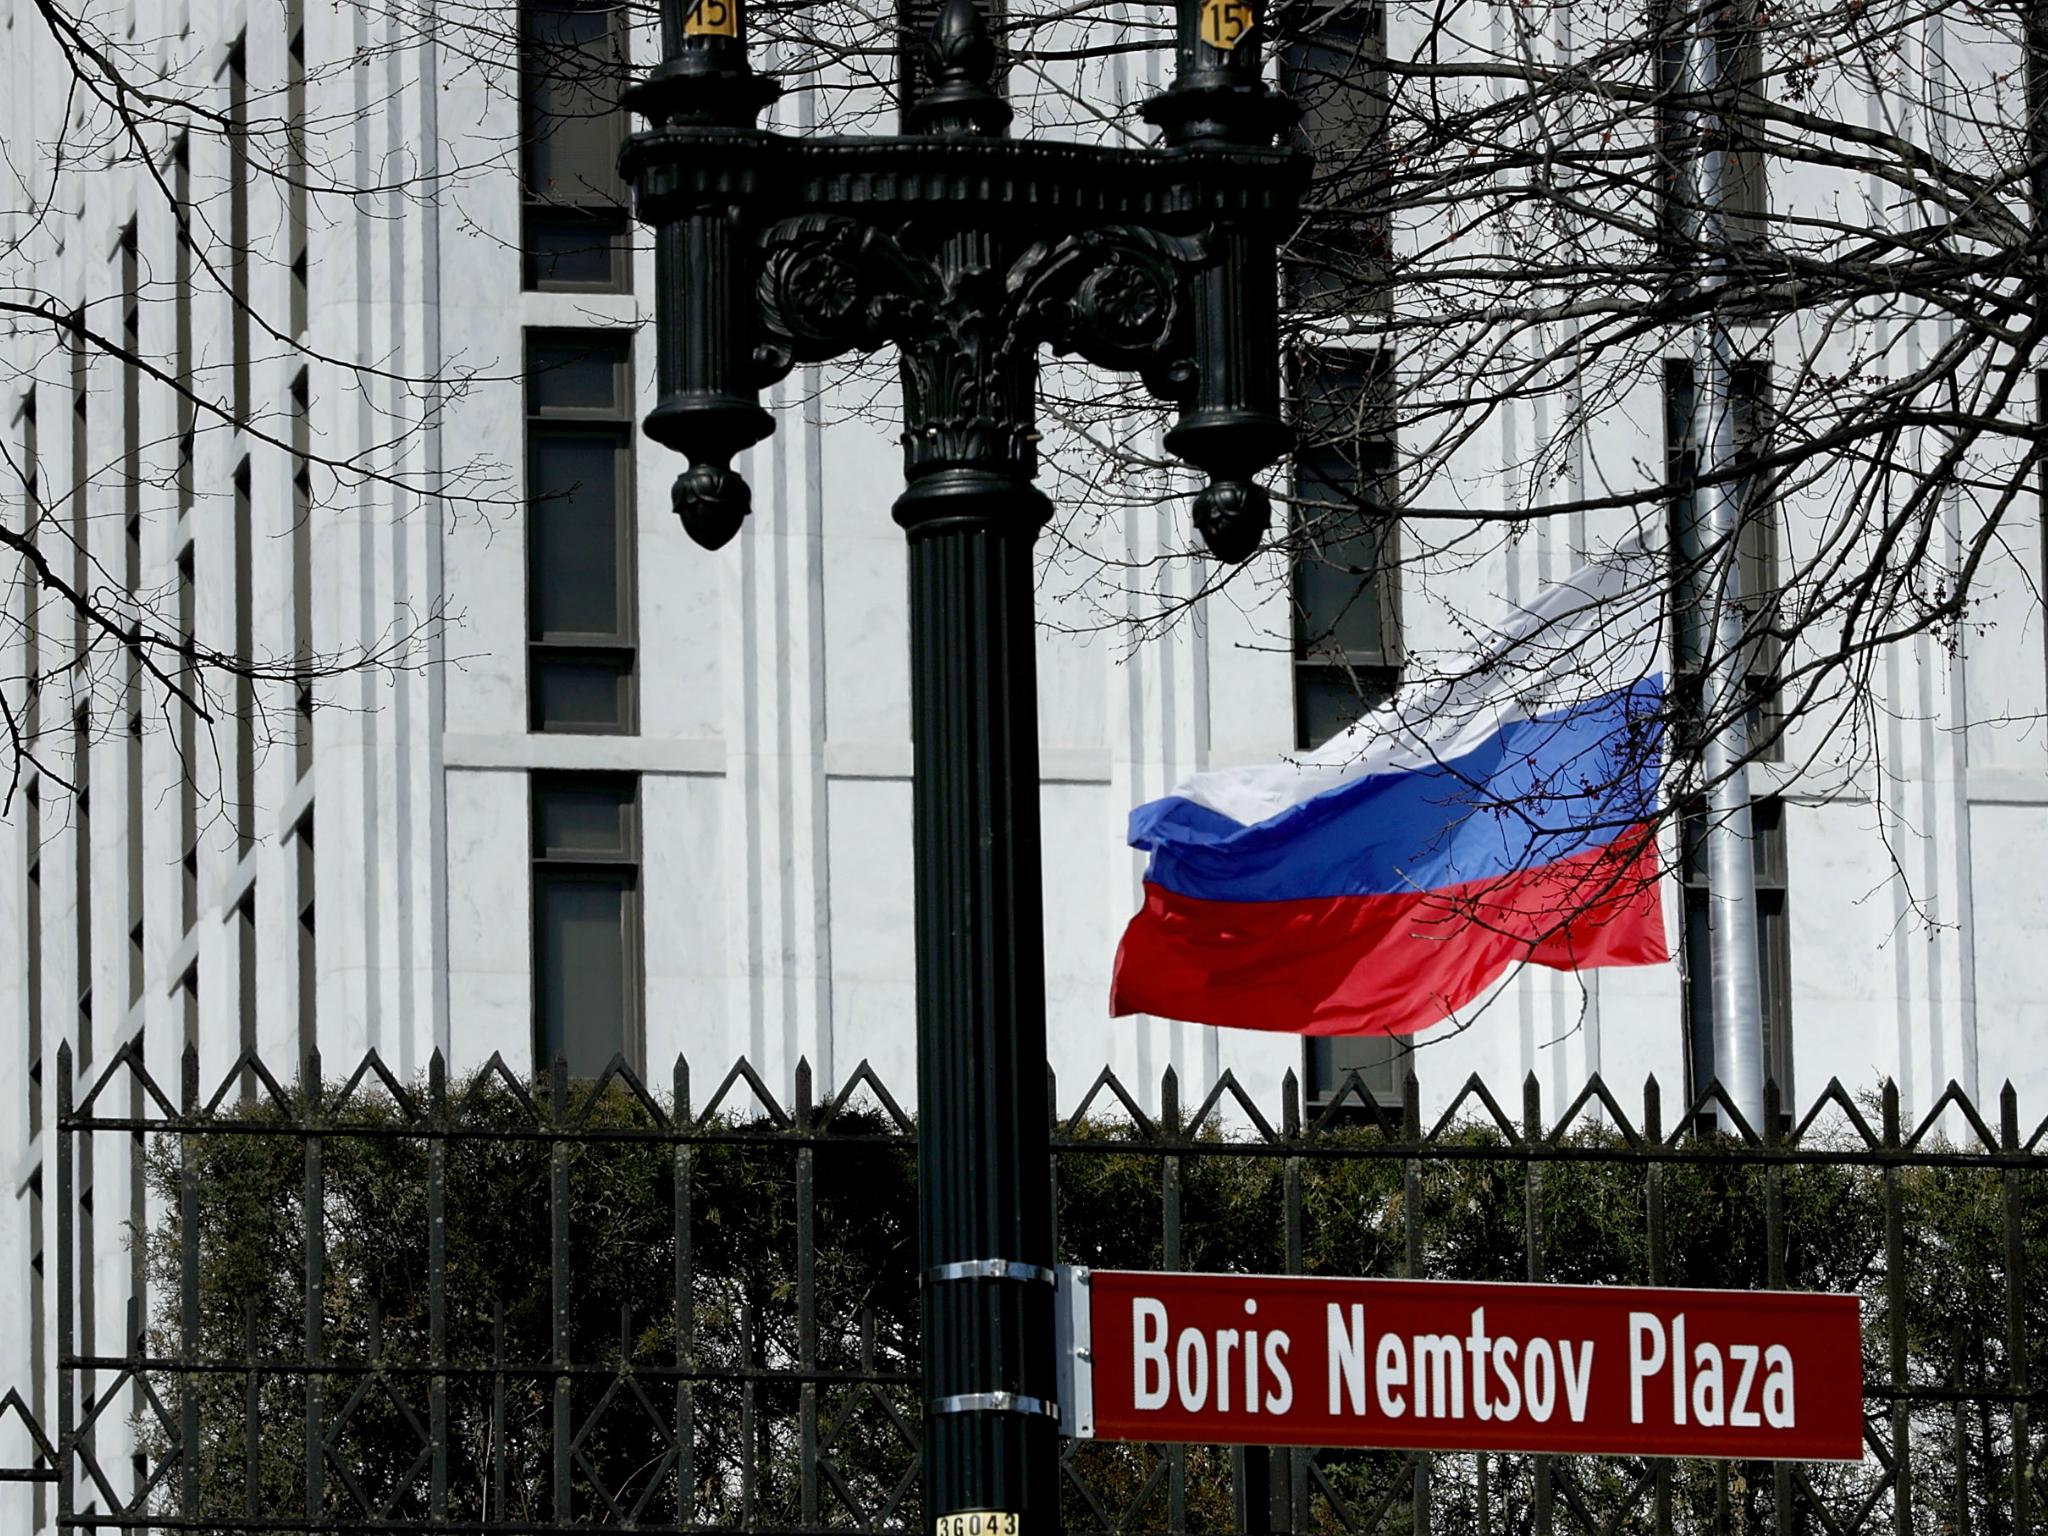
[
  {"x": 589, "y": 695},
  {"x": 1767, "y": 826},
  {"x": 1338, "y": 585},
  {"x": 1336, "y": 73},
  {"x": 582, "y": 372},
  {"x": 581, "y": 958},
  {"x": 1344, "y": 491},
  {"x": 1688, "y": 580},
  {"x": 574, "y": 73},
  {"x": 574, "y": 248},
  {"x": 574, "y": 550},
  {"x": 1695, "y": 558},
  {"x": 1774, "y": 968},
  {"x": 1334, "y": 259},
  {"x": 1774, "y": 948},
  {"x": 582, "y": 819},
  {"x": 1380, "y": 1061},
  {"x": 1699, "y": 986},
  {"x": 1327, "y": 699}
]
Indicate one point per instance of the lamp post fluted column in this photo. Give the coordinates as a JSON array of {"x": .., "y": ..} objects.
[{"x": 968, "y": 251}]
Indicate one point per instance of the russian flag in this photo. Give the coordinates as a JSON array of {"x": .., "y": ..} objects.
[{"x": 1378, "y": 884}]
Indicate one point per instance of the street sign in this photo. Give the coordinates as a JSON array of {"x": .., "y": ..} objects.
[{"x": 1448, "y": 1365}]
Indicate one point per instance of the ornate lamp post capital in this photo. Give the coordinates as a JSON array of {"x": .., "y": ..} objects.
[{"x": 968, "y": 252}]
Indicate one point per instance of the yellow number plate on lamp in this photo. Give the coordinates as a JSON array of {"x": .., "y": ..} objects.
[
  {"x": 713, "y": 18},
  {"x": 1225, "y": 22}
]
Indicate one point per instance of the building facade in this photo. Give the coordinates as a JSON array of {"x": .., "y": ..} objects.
[{"x": 530, "y": 773}]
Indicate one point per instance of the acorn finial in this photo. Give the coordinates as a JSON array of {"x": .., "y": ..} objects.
[{"x": 960, "y": 57}]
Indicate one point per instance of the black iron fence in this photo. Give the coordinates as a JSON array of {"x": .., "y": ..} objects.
[{"x": 496, "y": 1306}]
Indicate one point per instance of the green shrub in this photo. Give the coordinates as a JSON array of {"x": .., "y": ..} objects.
[{"x": 738, "y": 1241}]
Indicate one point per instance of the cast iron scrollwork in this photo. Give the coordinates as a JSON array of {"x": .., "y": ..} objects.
[
  {"x": 831, "y": 284},
  {"x": 1115, "y": 297},
  {"x": 967, "y": 251}
]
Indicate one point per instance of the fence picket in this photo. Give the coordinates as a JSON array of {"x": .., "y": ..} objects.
[{"x": 763, "y": 1425}]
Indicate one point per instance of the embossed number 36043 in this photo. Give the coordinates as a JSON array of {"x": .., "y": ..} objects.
[
  {"x": 979, "y": 1522},
  {"x": 713, "y": 18},
  {"x": 1225, "y": 22}
]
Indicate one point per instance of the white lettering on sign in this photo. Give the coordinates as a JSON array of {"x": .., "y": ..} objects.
[
  {"x": 1477, "y": 1348},
  {"x": 1504, "y": 1352},
  {"x": 1479, "y": 1374},
  {"x": 1281, "y": 1398},
  {"x": 1718, "y": 1387},
  {"x": 1448, "y": 1376},
  {"x": 1148, "y": 1354},
  {"x": 1478, "y": 1366},
  {"x": 1578, "y": 1379},
  {"x": 1645, "y": 1333},
  {"x": 1390, "y": 1372},
  {"x": 1347, "y": 1358},
  {"x": 1185, "y": 1366}
]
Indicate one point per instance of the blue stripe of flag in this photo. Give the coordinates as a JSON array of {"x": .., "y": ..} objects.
[{"x": 1537, "y": 791}]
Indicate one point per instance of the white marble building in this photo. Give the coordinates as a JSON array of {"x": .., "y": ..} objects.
[{"x": 382, "y": 889}]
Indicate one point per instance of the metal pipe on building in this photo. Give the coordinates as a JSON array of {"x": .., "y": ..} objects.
[{"x": 1724, "y": 707}]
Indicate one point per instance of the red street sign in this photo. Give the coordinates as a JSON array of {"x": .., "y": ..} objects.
[{"x": 1447, "y": 1365}]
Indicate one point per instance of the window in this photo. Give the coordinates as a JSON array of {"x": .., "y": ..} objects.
[
  {"x": 245, "y": 651},
  {"x": 1695, "y": 560},
  {"x": 188, "y": 1003},
  {"x": 572, "y": 65},
  {"x": 245, "y": 985},
  {"x": 131, "y": 581},
  {"x": 38, "y": 1326},
  {"x": 586, "y": 920},
  {"x": 1347, "y": 649},
  {"x": 914, "y": 21},
  {"x": 31, "y": 584},
  {"x": 181, "y": 321},
  {"x": 1747, "y": 195},
  {"x": 32, "y": 953},
  {"x": 1334, "y": 66},
  {"x": 302, "y": 572},
  {"x": 1381, "y": 1062},
  {"x": 137, "y": 929},
  {"x": 296, "y": 241},
  {"x": 309, "y": 975},
  {"x": 238, "y": 224},
  {"x": 188, "y": 739},
  {"x": 81, "y": 491},
  {"x": 1669, "y": 21},
  {"x": 81, "y": 848},
  {"x": 1773, "y": 946},
  {"x": 579, "y": 538}
]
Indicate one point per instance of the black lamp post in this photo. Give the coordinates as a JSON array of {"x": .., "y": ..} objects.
[{"x": 967, "y": 252}]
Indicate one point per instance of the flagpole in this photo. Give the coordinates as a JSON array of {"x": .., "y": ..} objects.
[{"x": 1731, "y": 870}]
